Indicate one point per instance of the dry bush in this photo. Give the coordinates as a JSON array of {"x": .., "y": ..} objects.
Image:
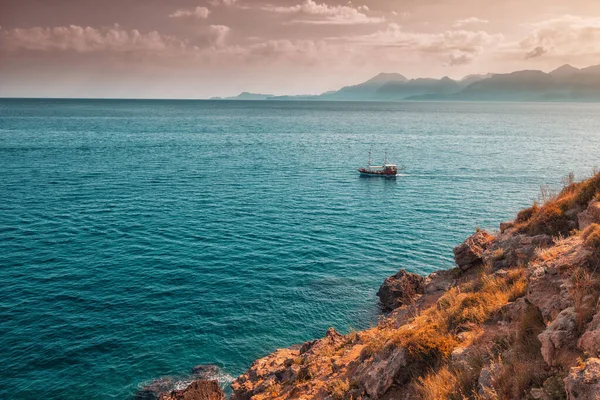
[
  {"x": 436, "y": 385},
  {"x": 338, "y": 389},
  {"x": 584, "y": 291},
  {"x": 526, "y": 214},
  {"x": 529, "y": 326},
  {"x": 553, "y": 217},
  {"x": 591, "y": 240},
  {"x": 431, "y": 337},
  {"x": 550, "y": 220}
]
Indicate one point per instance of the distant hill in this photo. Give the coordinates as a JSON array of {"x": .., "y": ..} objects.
[
  {"x": 245, "y": 96},
  {"x": 366, "y": 90},
  {"x": 565, "y": 83}
]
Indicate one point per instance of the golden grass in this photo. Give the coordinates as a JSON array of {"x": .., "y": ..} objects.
[
  {"x": 436, "y": 385},
  {"x": 338, "y": 389},
  {"x": 552, "y": 217}
]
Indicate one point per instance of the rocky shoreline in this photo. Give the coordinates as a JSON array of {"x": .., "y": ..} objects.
[{"x": 518, "y": 318}]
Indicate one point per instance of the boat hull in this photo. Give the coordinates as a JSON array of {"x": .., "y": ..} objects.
[{"x": 362, "y": 173}]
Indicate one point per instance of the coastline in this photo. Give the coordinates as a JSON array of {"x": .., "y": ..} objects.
[{"x": 518, "y": 317}]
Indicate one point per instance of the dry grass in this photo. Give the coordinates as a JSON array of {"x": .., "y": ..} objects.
[
  {"x": 553, "y": 217},
  {"x": 338, "y": 389},
  {"x": 431, "y": 336},
  {"x": 591, "y": 240},
  {"x": 436, "y": 385},
  {"x": 584, "y": 291}
]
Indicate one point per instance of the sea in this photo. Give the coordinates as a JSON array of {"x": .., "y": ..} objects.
[{"x": 139, "y": 238}]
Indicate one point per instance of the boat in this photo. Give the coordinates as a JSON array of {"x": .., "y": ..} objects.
[{"x": 387, "y": 170}]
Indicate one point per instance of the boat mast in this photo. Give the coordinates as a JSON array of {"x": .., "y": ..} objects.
[
  {"x": 385, "y": 161},
  {"x": 369, "y": 162}
]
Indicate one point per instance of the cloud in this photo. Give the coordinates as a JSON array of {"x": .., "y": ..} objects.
[
  {"x": 470, "y": 21},
  {"x": 85, "y": 39},
  {"x": 460, "y": 59},
  {"x": 218, "y": 34},
  {"x": 227, "y": 3},
  {"x": 326, "y": 14},
  {"x": 198, "y": 13},
  {"x": 567, "y": 36},
  {"x": 462, "y": 41},
  {"x": 537, "y": 52}
]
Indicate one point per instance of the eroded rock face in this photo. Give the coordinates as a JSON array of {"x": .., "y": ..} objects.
[
  {"x": 559, "y": 337},
  {"x": 469, "y": 253},
  {"x": 589, "y": 216},
  {"x": 332, "y": 339},
  {"x": 264, "y": 371},
  {"x": 583, "y": 381},
  {"x": 197, "y": 390},
  {"x": 400, "y": 289},
  {"x": 590, "y": 340},
  {"x": 548, "y": 291},
  {"x": 377, "y": 376}
]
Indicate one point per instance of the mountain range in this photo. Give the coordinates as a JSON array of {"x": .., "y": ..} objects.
[{"x": 565, "y": 83}]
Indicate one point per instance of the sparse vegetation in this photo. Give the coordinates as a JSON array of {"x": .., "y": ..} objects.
[
  {"x": 338, "y": 389},
  {"x": 584, "y": 290}
]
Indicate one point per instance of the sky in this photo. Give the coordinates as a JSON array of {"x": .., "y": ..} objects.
[{"x": 204, "y": 48}]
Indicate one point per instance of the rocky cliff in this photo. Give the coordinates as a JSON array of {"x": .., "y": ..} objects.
[{"x": 518, "y": 318}]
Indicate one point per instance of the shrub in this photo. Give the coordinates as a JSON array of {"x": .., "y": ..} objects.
[
  {"x": 436, "y": 385},
  {"x": 338, "y": 389},
  {"x": 550, "y": 220},
  {"x": 584, "y": 291},
  {"x": 526, "y": 214},
  {"x": 591, "y": 237}
]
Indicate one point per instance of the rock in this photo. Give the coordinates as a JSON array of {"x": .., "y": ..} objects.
[
  {"x": 332, "y": 339},
  {"x": 590, "y": 215},
  {"x": 377, "y": 376},
  {"x": 589, "y": 342},
  {"x": 559, "y": 337},
  {"x": 439, "y": 281},
  {"x": 548, "y": 291},
  {"x": 504, "y": 226},
  {"x": 206, "y": 371},
  {"x": 400, "y": 289},
  {"x": 487, "y": 377},
  {"x": 583, "y": 381},
  {"x": 279, "y": 364},
  {"x": 197, "y": 390},
  {"x": 469, "y": 253}
]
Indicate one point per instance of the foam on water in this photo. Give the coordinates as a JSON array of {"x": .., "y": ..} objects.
[{"x": 141, "y": 238}]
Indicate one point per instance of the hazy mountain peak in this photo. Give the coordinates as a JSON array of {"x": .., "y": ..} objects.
[
  {"x": 385, "y": 77},
  {"x": 564, "y": 70}
]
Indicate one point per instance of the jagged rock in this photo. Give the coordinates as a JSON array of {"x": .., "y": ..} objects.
[
  {"x": 559, "y": 337},
  {"x": 400, "y": 289},
  {"x": 590, "y": 215},
  {"x": 547, "y": 290},
  {"x": 509, "y": 250},
  {"x": 469, "y": 253},
  {"x": 197, "y": 390},
  {"x": 332, "y": 339},
  {"x": 279, "y": 364},
  {"x": 583, "y": 381},
  {"x": 375, "y": 377},
  {"x": 504, "y": 226},
  {"x": 590, "y": 340},
  {"x": 439, "y": 281}
]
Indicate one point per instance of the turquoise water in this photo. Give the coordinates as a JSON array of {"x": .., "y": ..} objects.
[{"x": 141, "y": 238}]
